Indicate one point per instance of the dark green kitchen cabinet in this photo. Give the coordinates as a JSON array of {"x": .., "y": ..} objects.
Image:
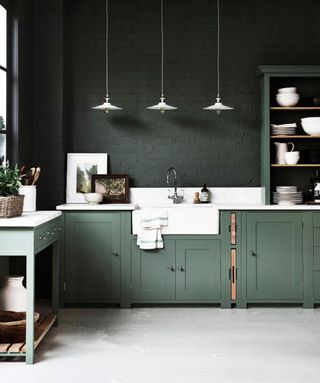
[
  {"x": 274, "y": 256},
  {"x": 92, "y": 257},
  {"x": 153, "y": 272},
  {"x": 198, "y": 269},
  {"x": 186, "y": 270}
]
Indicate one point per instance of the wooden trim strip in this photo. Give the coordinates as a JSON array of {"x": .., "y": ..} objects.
[
  {"x": 233, "y": 228},
  {"x": 233, "y": 274}
]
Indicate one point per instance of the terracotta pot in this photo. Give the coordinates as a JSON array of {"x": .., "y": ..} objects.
[{"x": 13, "y": 295}]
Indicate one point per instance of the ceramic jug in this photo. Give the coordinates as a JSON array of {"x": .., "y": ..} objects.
[
  {"x": 13, "y": 295},
  {"x": 281, "y": 150}
]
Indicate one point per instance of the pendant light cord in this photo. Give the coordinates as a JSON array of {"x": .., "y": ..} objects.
[
  {"x": 162, "y": 49},
  {"x": 107, "y": 48},
  {"x": 218, "y": 46}
]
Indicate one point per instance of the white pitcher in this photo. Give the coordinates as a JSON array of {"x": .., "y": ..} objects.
[{"x": 281, "y": 150}]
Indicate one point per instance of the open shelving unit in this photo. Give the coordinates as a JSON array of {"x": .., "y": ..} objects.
[{"x": 307, "y": 81}]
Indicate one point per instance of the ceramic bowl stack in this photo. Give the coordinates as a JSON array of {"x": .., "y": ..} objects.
[
  {"x": 287, "y": 96},
  {"x": 287, "y": 195},
  {"x": 283, "y": 129}
]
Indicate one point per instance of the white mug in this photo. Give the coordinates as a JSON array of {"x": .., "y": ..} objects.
[{"x": 292, "y": 158}]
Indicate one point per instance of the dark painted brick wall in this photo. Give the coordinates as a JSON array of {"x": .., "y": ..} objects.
[{"x": 69, "y": 78}]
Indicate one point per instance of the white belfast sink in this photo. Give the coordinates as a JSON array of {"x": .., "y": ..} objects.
[{"x": 183, "y": 218}]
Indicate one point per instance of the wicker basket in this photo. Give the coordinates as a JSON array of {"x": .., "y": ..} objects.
[
  {"x": 11, "y": 206},
  {"x": 13, "y": 326}
]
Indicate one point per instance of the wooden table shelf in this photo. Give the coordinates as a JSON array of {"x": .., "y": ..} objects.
[
  {"x": 19, "y": 349},
  {"x": 295, "y": 108},
  {"x": 296, "y": 166},
  {"x": 293, "y": 136}
]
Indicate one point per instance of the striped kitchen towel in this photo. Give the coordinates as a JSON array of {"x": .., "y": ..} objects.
[{"x": 151, "y": 223}]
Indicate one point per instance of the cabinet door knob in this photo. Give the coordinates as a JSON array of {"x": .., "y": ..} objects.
[
  {"x": 180, "y": 268},
  {"x": 251, "y": 252},
  {"x": 115, "y": 253},
  {"x": 171, "y": 268}
]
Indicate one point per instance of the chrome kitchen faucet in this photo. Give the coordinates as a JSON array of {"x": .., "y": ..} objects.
[{"x": 176, "y": 198}]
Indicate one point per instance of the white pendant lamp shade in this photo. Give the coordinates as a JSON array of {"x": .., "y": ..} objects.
[
  {"x": 218, "y": 106},
  {"x": 107, "y": 106},
  {"x": 162, "y": 105}
]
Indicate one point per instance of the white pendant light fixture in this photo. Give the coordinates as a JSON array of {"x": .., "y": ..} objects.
[
  {"x": 107, "y": 106},
  {"x": 162, "y": 105},
  {"x": 218, "y": 106}
]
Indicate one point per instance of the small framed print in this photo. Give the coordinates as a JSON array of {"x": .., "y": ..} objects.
[
  {"x": 115, "y": 187},
  {"x": 80, "y": 168}
]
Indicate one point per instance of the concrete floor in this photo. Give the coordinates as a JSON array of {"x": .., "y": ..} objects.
[{"x": 173, "y": 345}]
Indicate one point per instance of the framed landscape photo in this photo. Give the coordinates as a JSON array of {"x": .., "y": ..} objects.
[
  {"x": 115, "y": 187},
  {"x": 80, "y": 169}
]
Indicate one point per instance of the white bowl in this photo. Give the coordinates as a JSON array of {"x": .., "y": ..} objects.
[
  {"x": 291, "y": 90},
  {"x": 93, "y": 198},
  {"x": 311, "y": 125},
  {"x": 287, "y": 99},
  {"x": 292, "y": 158}
]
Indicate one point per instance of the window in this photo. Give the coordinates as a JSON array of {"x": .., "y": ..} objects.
[{"x": 3, "y": 83}]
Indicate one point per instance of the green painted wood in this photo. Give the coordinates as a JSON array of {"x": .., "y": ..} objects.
[
  {"x": 151, "y": 277},
  {"x": 274, "y": 272},
  {"x": 316, "y": 236},
  {"x": 242, "y": 264},
  {"x": 198, "y": 269},
  {"x": 225, "y": 294},
  {"x": 308, "y": 295},
  {"x": 125, "y": 258},
  {"x": 316, "y": 219},
  {"x": 316, "y": 258},
  {"x": 92, "y": 257},
  {"x": 317, "y": 285}
]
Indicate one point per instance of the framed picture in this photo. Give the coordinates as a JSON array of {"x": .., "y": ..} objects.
[
  {"x": 115, "y": 187},
  {"x": 80, "y": 168}
]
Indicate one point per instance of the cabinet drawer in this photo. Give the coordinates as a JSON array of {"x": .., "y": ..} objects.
[
  {"x": 316, "y": 219},
  {"x": 316, "y": 237},
  {"x": 46, "y": 234},
  {"x": 316, "y": 258}
]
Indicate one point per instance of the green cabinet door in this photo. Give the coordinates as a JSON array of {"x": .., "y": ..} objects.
[
  {"x": 92, "y": 257},
  {"x": 153, "y": 273},
  {"x": 198, "y": 270},
  {"x": 274, "y": 256}
]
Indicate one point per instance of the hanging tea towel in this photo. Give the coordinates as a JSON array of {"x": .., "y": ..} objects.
[{"x": 151, "y": 223}]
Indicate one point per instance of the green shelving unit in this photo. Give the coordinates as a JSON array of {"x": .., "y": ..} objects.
[{"x": 307, "y": 81}]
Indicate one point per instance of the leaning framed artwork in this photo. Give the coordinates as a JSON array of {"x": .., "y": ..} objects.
[
  {"x": 80, "y": 169},
  {"x": 115, "y": 187}
]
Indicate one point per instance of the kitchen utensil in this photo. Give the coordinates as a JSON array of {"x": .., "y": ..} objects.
[
  {"x": 36, "y": 175},
  {"x": 287, "y": 99},
  {"x": 311, "y": 125},
  {"x": 281, "y": 149},
  {"x": 282, "y": 197},
  {"x": 93, "y": 198},
  {"x": 292, "y": 158}
]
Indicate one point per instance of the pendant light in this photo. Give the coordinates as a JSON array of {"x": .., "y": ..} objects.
[
  {"x": 162, "y": 105},
  {"x": 107, "y": 106},
  {"x": 218, "y": 106}
]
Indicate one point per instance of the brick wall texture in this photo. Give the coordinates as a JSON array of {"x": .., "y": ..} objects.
[{"x": 69, "y": 78}]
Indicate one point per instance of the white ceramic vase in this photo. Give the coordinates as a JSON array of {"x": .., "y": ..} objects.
[{"x": 13, "y": 295}]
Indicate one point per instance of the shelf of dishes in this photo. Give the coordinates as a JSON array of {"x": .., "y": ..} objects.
[{"x": 292, "y": 136}]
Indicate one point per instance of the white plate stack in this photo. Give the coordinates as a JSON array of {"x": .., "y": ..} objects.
[
  {"x": 283, "y": 129},
  {"x": 287, "y": 195}
]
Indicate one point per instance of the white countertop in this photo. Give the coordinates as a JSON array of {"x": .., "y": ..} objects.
[
  {"x": 266, "y": 207},
  {"x": 100, "y": 207},
  {"x": 33, "y": 219}
]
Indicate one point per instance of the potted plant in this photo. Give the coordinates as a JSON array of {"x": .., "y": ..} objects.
[{"x": 11, "y": 203}]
